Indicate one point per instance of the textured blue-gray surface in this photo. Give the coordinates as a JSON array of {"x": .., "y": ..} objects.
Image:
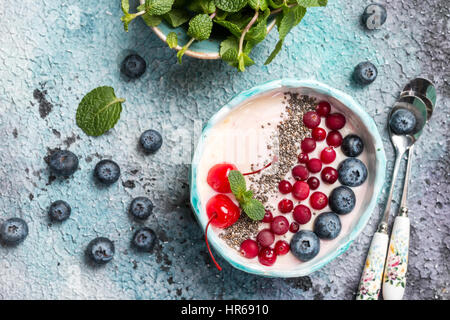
[{"x": 53, "y": 52}]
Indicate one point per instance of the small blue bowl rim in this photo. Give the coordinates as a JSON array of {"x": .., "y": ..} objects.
[{"x": 380, "y": 170}]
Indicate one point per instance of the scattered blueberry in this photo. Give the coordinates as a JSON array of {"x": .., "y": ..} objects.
[
  {"x": 59, "y": 210},
  {"x": 63, "y": 163},
  {"x": 402, "y": 121},
  {"x": 144, "y": 239},
  {"x": 133, "y": 66},
  {"x": 305, "y": 245},
  {"x": 151, "y": 141},
  {"x": 342, "y": 200},
  {"x": 13, "y": 231},
  {"x": 352, "y": 172},
  {"x": 374, "y": 16},
  {"x": 327, "y": 225},
  {"x": 100, "y": 250},
  {"x": 107, "y": 172},
  {"x": 352, "y": 145},
  {"x": 365, "y": 73},
  {"x": 141, "y": 208}
]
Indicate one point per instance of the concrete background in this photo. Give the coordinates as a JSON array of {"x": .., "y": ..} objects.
[{"x": 53, "y": 52}]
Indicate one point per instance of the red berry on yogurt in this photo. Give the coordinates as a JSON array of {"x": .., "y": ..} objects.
[
  {"x": 302, "y": 214},
  {"x": 335, "y": 121},
  {"x": 308, "y": 145},
  {"x": 285, "y": 205},
  {"x": 265, "y": 238},
  {"x": 267, "y": 256},
  {"x": 300, "y": 190},
  {"x": 314, "y": 165},
  {"x": 222, "y": 211},
  {"x": 329, "y": 175},
  {"x": 300, "y": 172},
  {"x": 311, "y": 119},
  {"x": 294, "y": 227},
  {"x": 318, "y": 134},
  {"x": 268, "y": 217},
  {"x": 279, "y": 225},
  {"x": 328, "y": 155},
  {"x": 249, "y": 248},
  {"x": 284, "y": 186},
  {"x": 313, "y": 183},
  {"x": 323, "y": 108},
  {"x": 334, "y": 139},
  {"x": 218, "y": 177},
  {"x": 303, "y": 157},
  {"x": 318, "y": 200},
  {"x": 282, "y": 247}
]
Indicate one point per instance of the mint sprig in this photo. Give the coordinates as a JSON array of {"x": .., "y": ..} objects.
[{"x": 251, "y": 206}]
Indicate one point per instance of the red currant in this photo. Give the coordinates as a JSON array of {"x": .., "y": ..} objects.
[
  {"x": 308, "y": 145},
  {"x": 323, "y": 108},
  {"x": 328, "y": 155},
  {"x": 279, "y": 225},
  {"x": 285, "y": 205},
  {"x": 314, "y": 165},
  {"x": 303, "y": 157},
  {"x": 268, "y": 217},
  {"x": 249, "y": 248},
  {"x": 222, "y": 211},
  {"x": 218, "y": 177},
  {"x": 335, "y": 121},
  {"x": 282, "y": 247},
  {"x": 313, "y": 183},
  {"x": 329, "y": 175},
  {"x": 311, "y": 119},
  {"x": 294, "y": 227},
  {"x": 302, "y": 214},
  {"x": 265, "y": 238},
  {"x": 299, "y": 172},
  {"x": 284, "y": 186},
  {"x": 334, "y": 139},
  {"x": 318, "y": 134},
  {"x": 318, "y": 200},
  {"x": 267, "y": 256},
  {"x": 300, "y": 190}
]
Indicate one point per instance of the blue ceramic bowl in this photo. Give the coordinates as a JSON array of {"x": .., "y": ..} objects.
[{"x": 376, "y": 166}]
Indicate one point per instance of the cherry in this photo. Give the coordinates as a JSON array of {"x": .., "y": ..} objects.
[
  {"x": 279, "y": 225},
  {"x": 265, "y": 238},
  {"x": 294, "y": 227},
  {"x": 285, "y": 205},
  {"x": 267, "y": 256},
  {"x": 300, "y": 190},
  {"x": 303, "y": 157},
  {"x": 302, "y": 214},
  {"x": 249, "y": 248},
  {"x": 323, "y": 108},
  {"x": 318, "y": 134},
  {"x": 268, "y": 217},
  {"x": 334, "y": 139},
  {"x": 218, "y": 177},
  {"x": 308, "y": 145},
  {"x": 318, "y": 200},
  {"x": 328, "y": 155},
  {"x": 329, "y": 175},
  {"x": 335, "y": 121},
  {"x": 311, "y": 119},
  {"x": 313, "y": 183},
  {"x": 299, "y": 172},
  {"x": 284, "y": 186},
  {"x": 314, "y": 165},
  {"x": 282, "y": 247},
  {"x": 222, "y": 213}
]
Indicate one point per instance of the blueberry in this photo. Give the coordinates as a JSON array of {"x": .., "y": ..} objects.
[
  {"x": 342, "y": 200},
  {"x": 141, "y": 208},
  {"x": 352, "y": 172},
  {"x": 365, "y": 73},
  {"x": 327, "y": 225},
  {"x": 63, "y": 163},
  {"x": 374, "y": 16},
  {"x": 133, "y": 66},
  {"x": 305, "y": 245},
  {"x": 13, "y": 231},
  {"x": 151, "y": 141},
  {"x": 144, "y": 239},
  {"x": 352, "y": 145},
  {"x": 100, "y": 250},
  {"x": 402, "y": 121},
  {"x": 107, "y": 172},
  {"x": 59, "y": 211}
]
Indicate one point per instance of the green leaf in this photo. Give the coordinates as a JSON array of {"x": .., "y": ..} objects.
[
  {"x": 258, "y": 32},
  {"x": 181, "y": 53},
  {"x": 157, "y": 7},
  {"x": 258, "y": 4},
  {"x": 312, "y": 3},
  {"x": 125, "y": 4},
  {"x": 254, "y": 209},
  {"x": 244, "y": 61},
  {"x": 172, "y": 40},
  {"x": 275, "y": 51},
  {"x": 237, "y": 184},
  {"x": 233, "y": 28},
  {"x": 299, "y": 13},
  {"x": 229, "y": 49},
  {"x": 99, "y": 111},
  {"x": 176, "y": 17},
  {"x": 274, "y": 4},
  {"x": 200, "y": 27},
  {"x": 230, "y": 5},
  {"x": 151, "y": 21},
  {"x": 202, "y": 6},
  {"x": 286, "y": 23},
  {"x": 126, "y": 19}
]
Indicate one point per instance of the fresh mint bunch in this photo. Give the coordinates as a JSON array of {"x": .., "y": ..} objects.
[
  {"x": 252, "y": 207},
  {"x": 244, "y": 21}
]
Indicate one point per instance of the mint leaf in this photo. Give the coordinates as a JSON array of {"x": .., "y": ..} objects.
[
  {"x": 244, "y": 61},
  {"x": 258, "y": 4},
  {"x": 258, "y": 32},
  {"x": 312, "y": 3},
  {"x": 200, "y": 27},
  {"x": 176, "y": 17},
  {"x": 237, "y": 184},
  {"x": 202, "y": 6},
  {"x": 230, "y": 5},
  {"x": 125, "y": 4},
  {"x": 229, "y": 49},
  {"x": 233, "y": 28},
  {"x": 158, "y": 7},
  {"x": 150, "y": 20},
  {"x": 254, "y": 209},
  {"x": 126, "y": 19},
  {"x": 275, "y": 51},
  {"x": 99, "y": 111},
  {"x": 181, "y": 53},
  {"x": 172, "y": 40}
]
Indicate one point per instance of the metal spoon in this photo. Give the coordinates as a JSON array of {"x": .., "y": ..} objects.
[
  {"x": 394, "y": 280},
  {"x": 370, "y": 283}
]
